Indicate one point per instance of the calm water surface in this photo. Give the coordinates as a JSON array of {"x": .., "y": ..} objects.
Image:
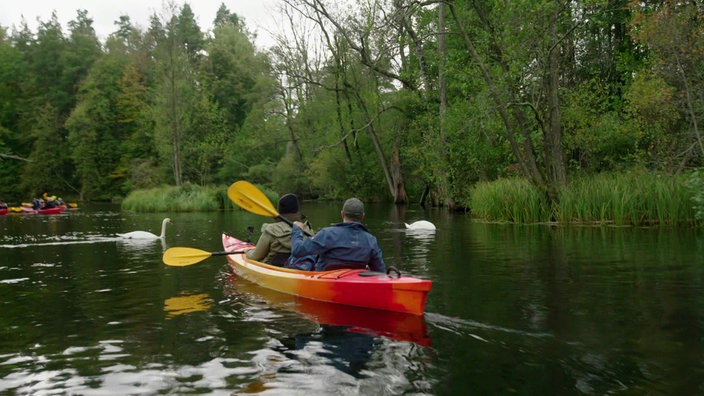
[{"x": 514, "y": 310}]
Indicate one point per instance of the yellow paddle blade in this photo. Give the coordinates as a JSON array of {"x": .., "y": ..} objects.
[
  {"x": 183, "y": 256},
  {"x": 249, "y": 198}
]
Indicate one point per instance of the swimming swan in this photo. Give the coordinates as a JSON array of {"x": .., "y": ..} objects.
[
  {"x": 145, "y": 234},
  {"x": 420, "y": 225}
]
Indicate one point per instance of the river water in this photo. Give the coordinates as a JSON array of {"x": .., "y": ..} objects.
[{"x": 524, "y": 310}]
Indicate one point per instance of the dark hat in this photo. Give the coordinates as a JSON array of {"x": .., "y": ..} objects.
[
  {"x": 288, "y": 204},
  {"x": 353, "y": 209}
]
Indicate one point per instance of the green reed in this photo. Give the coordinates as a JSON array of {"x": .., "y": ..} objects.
[
  {"x": 630, "y": 198},
  {"x": 511, "y": 200},
  {"x": 186, "y": 198}
]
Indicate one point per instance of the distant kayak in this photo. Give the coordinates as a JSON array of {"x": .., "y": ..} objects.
[
  {"x": 48, "y": 211},
  {"x": 361, "y": 288},
  {"x": 3, "y": 211}
]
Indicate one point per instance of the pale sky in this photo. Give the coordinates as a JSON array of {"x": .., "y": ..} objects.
[{"x": 260, "y": 15}]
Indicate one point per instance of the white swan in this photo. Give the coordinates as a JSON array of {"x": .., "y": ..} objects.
[
  {"x": 146, "y": 234},
  {"x": 420, "y": 225}
]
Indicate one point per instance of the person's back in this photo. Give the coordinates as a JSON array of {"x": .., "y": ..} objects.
[
  {"x": 274, "y": 244},
  {"x": 343, "y": 245},
  {"x": 50, "y": 203}
]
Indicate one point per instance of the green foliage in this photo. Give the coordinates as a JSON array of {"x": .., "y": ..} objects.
[
  {"x": 44, "y": 168},
  {"x": 235, "y": 74},
  {"x": 358, "y": 113},
  {"x": 696, "y": 188},
  {"x": 204, "y": 142},
  {"x": 654, "y": 115},
  {"x": 598, "y": 138},
  {"x": 288, "y": 175},
  {"x": 94, "y": 132},
  {"x": 9, "y": 169}
]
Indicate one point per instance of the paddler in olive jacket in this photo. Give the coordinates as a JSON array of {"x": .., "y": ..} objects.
[{"x": 274, "y": 244}]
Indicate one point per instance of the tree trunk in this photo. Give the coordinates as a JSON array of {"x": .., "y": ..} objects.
[{"x": 554, "y": 154}]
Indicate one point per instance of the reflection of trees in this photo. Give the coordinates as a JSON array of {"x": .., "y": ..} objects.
[{"x": 620, "y": 304}]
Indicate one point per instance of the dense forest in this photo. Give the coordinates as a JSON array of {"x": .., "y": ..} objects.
[{"x": 390, "y": 100}]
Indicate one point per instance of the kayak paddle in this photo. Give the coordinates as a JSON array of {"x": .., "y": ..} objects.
[
  {"x": 183, "y": 256},
  {"x": 251, "y": 199}
]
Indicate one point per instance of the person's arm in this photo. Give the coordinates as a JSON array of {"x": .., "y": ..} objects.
[
  {"x": 377, "y": 262},
  {"x": 262, "y": 248},
  {"x": 302, "y": 246}
]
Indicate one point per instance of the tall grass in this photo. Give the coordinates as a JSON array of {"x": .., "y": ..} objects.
[
  {"x": 512, "y": 200},
  {"x": 187, "y": 198},
  {"x": 635, "y": 197},
  {"x": 627, "y": 198}
]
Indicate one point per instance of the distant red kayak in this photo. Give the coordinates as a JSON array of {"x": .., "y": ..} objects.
[
  {"x": 3, "y": 211},
  {"x": 361, "y": 288},
  {"x": 42, "y": 211}
]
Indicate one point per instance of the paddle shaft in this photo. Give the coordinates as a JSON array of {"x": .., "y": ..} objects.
[{"x": 226, "y": 253}]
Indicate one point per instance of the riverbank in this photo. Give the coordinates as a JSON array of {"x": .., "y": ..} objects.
[
  {"x": 630, "y": 198},
  {"x": 627, "y": 198}
]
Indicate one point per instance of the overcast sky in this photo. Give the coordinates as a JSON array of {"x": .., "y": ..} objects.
[{"x": 259, "y": 15}]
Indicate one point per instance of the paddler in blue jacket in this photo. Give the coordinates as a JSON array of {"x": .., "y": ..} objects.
[{"x": 343, "y": 245}]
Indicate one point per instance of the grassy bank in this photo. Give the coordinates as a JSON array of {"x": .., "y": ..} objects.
[
  {"x": 632, "y": 198},
  {"x": 186, "y": 198}
]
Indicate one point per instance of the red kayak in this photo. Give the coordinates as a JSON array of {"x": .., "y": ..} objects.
[
  {"x": 48, "y": 211},
  {"x": 395, "y": 325},
  {"x": 3, "y": 211},
  {"x": 361, "y": 288}
]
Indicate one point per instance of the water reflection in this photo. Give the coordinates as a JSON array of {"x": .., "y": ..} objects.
[
  {"x": 316, "y": 346},
  {"x": 186, "y": 303},
  {"x": 514, "y": 310},
  {"x": 139, "y": 247}
]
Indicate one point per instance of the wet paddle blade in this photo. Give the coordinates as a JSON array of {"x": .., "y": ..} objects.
[
  {"x": 249, "y": 198},
  {"x": 183, "y": 256}
]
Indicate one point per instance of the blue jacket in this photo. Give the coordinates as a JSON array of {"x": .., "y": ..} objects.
[{"x": 348, "y": 244}]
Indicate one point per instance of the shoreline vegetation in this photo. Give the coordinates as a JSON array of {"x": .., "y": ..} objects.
[
  {"x": 631, "y": 198},
  {"x": 450, "y": 105},
  {"x": 636, "y": 198}
]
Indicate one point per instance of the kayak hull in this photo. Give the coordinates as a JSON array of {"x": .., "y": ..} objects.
[
  {"x": 355, "y": 287},
  {"x": 56, "y": 210},
  {"x": 3, "y": 211},
  {"x": 395, "y": 325}
]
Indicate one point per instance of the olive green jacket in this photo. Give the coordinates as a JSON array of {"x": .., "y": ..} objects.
[{"x": 274, "y": 244}]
